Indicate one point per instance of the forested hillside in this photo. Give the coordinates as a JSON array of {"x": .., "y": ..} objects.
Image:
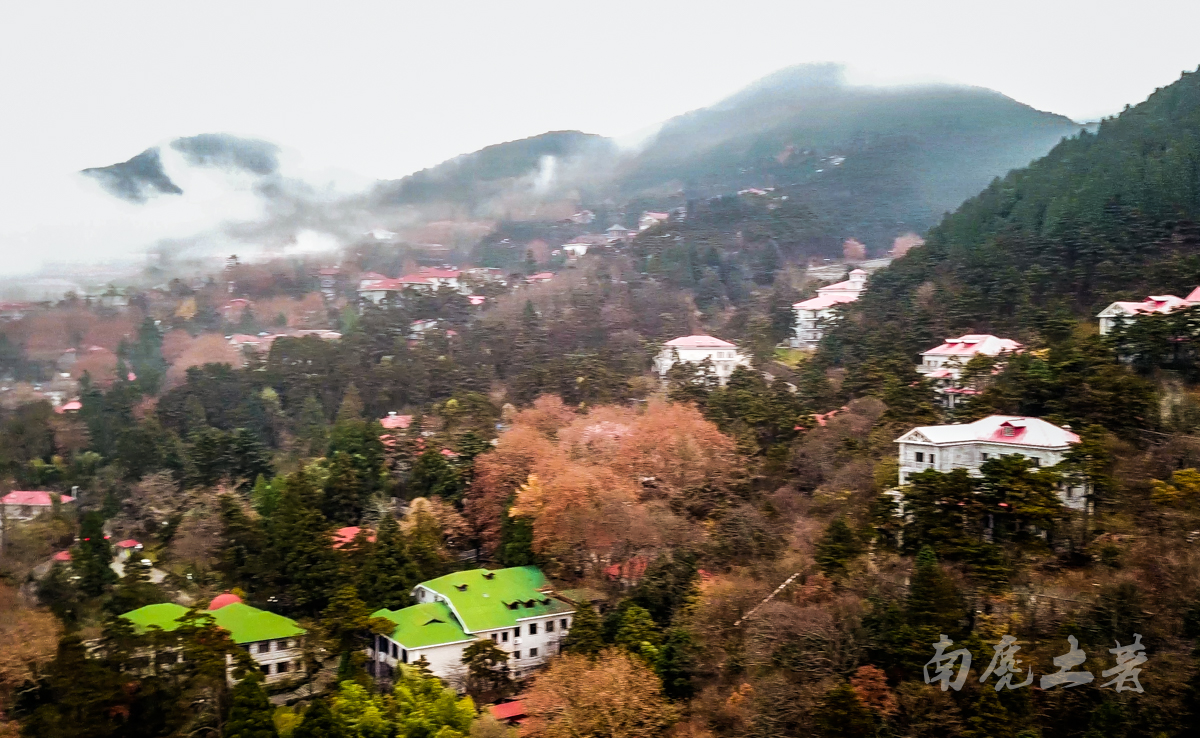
[{"x": 1102, "y": 217}]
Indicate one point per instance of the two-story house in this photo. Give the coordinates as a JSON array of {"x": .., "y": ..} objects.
[
  {"x": 695, "y": 349},
  {"x": 814, "y": 315},
  {"x": 514, "y": 607},
  {"x": 968, "y": 445},
  {"x": 1124, "y": 311},
  {"x": 944, "y": 364},
  {"x": 273, "y": 641}
]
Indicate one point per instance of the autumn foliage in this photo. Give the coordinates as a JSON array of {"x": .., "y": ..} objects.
[{"x": 600, "y": 483}]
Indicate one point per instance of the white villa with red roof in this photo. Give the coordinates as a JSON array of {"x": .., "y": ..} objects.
[
  {"x": 427, "y": 279},
  {"x": 1123, "y": 311},
  {"x": 944, "y": 364},
  {"x": 28, "y": 504},
  {"x": 696, "y": 349},
  {"x": 650, "y": 219},
  {"x": 814, "y": 314},
  {"x": 967, "y": 445}
]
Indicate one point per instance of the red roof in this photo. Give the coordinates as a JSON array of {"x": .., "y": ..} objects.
[
  {"x": 541, "y": 277},
  {"x": 128, "y": 543},
  {"x": 38, "y": 497},
  {"x": 449, "y": 454},
  {"x": 222, "y": 600},
  {"x": 393, "y": 421},
  {"x": 344, "y": 536},
  {"x": 68, "y": 407},
  {"x": 823, "y": 301},
  {"x": 699, "y": 341},
  {"x": 633, "y": 569},
  {"x": 508, "y": 710},
  {"x": 62, "y": 556},
  {"x": 974, "y": 344},
  {"x": 439, "y": 273}
]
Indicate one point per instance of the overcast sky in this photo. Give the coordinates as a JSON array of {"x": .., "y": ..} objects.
[{"x": 382, "y": 88}]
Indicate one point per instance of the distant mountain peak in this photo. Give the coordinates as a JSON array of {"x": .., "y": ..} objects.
[{"x": 136, "y": 179}]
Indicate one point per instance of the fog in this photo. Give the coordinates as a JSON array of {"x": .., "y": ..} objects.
[{"x": 361, "y": 91}]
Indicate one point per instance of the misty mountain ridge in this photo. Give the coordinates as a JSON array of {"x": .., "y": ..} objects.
[{"x": 873, "y": 162}]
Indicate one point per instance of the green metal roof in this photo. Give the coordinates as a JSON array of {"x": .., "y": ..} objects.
[
  {"x": 427, "y": 624},
  {"x": 499, "y": 602},
  {"x": 245, "y": 624}
]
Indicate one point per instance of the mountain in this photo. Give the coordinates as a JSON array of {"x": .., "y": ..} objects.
[
  {"x": 1105, "y": 216},
  {"x": 875, "y": 162},
  {"x": 541, "y": 166}
]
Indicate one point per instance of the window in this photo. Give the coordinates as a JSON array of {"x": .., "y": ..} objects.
[
  {"x": 920, "y": 456},
  {"x": 264, "y": 647},
  {"x": 495, "y": 636},
  {"x": 517, "y": 632},
  {"x": 516, "y": 654},
  {"x": 504, "y": 636},
  {"x": 395, "y": 650},
  {"x": 550, "y": 626},
  {"x": 1036, "y": 461},
  {"x": 281, "y": 667},
  {"x": 532, "y": 653},
  {"x": 281, "y": 645},
  {"x": 983, "y": 456},
  {"x": 404, "y": 655},
  {"x": 931, "y": 458},
  {"x": 265, "y": 668},
  {"x": 533, "y": 629},
  {"x": 1009, "y": 431},
  {"x": 564, "y": 623}
]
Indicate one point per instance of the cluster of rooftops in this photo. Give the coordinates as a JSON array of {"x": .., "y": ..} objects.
[{"x": 450, "y": 609}]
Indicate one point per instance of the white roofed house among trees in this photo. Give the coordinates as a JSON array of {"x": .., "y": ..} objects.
[
  {"x": 1123, "y": 311},
  {"x": 723, "y": 355},
  {"x": 813, "y": 315},
  {"x": 968, "y": 445},
  {"x": 944, "y": 364}
]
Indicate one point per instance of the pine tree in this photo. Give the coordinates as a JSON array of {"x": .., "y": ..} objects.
[
  {"x": 933, "y": 600},
  {"x": 309, "y": 568},
  {"x": 676, "y": 663},
  {"x": 837, "y": 547},
  {"x": 487, "y": 670},
  {"x": 352, "y": 405},
  {"x": 312, "y": 431},
  {"x": 587, "y": 632},
  {"x": 638, "y": 633},
  {"x": 389, "y": 573},
  {"x": 344, "y": 493},
  {"x": 991, "y": 719},
  {"x": 516, "y": 541},
  {"x": 250, "y": 711},
  {"x": 92, "y": 559},
  {"x": 433, "y": 476}
]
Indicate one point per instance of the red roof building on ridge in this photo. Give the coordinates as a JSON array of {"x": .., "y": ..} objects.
[
  {"x": 221, "y": 600},
  {"x": 699, "y": 341}
]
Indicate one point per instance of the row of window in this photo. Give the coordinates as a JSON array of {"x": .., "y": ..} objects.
[
  {"x": 502, "y": 636},
  {"x": 919, "y": 456},
  {"x": 265, "y": 646},
  {"x": 281, "y": 667}
]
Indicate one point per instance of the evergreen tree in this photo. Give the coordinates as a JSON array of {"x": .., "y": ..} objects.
[
  {"x": 587, "y": 632},
  {"x": 677, "y": 663},
  {"x": 248, "y": 456},
  {"x": 308, "y": 565},
  {"x": 250, "y": 711},
  {"x": 433, "y": 476},
  {"x": 352, "y": 405},
  {"x": 488, "y": 674},
  {"x": 516, "y": 541},
  {"x": 990, "y": 718},
  {"x": 345, "y": 496},
  {"x": 638, "y": 633},
  {"x": 312, "y": 432},
  {"x": 91, "y": 560},
  {"x": 389, "y": 573},
  {"x": 837, "y": 547},
  {"x": 242, "y": 548},
  {"x": 934, "y": 603}
]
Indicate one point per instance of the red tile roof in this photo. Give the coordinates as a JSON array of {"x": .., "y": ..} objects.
[
  {"x": 62, "y": 556},
  {"x": 393, "y": 421},
  {"x": 31, "y": 497},
  {"x": 508, "y": 710},
  {"x": 345, "y": 536},
  {"x": 974, "y": 344},
  {"x": 128, "y": 543}
]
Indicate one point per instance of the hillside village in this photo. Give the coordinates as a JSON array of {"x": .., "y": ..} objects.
[{"x": 706, "y": 455}]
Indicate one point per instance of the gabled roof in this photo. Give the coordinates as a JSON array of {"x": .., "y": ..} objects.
[
  {"x": 699, "y": 341},
  {"x": 508, "y": 710},
  {"x": 1033, "y": 432},
  {"x": 1152, "y": 304},
  {"x": 32, "y": 497},
  {"x": 393, "y": 421},
  {"x": 823, "y": 301},
  {"x": 973, "y": 344},
  {"x": 509, "y": 595},
  {"x": 245, "y": 624},
  {"x": 426, "y": 624}
]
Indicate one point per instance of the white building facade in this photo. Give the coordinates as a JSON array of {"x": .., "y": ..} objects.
[
  {"x": 814, "y": 315},
  {"x": 514, "y": 607},
  {"x": 944, "y": 364},
  {"x": 724, "y": 355},
  {"x": 968, "y": 445}
]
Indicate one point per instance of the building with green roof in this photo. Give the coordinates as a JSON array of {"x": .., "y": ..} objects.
[
  {"x": 515, "y": 607},
  {"x": 273, "y": 641}
]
